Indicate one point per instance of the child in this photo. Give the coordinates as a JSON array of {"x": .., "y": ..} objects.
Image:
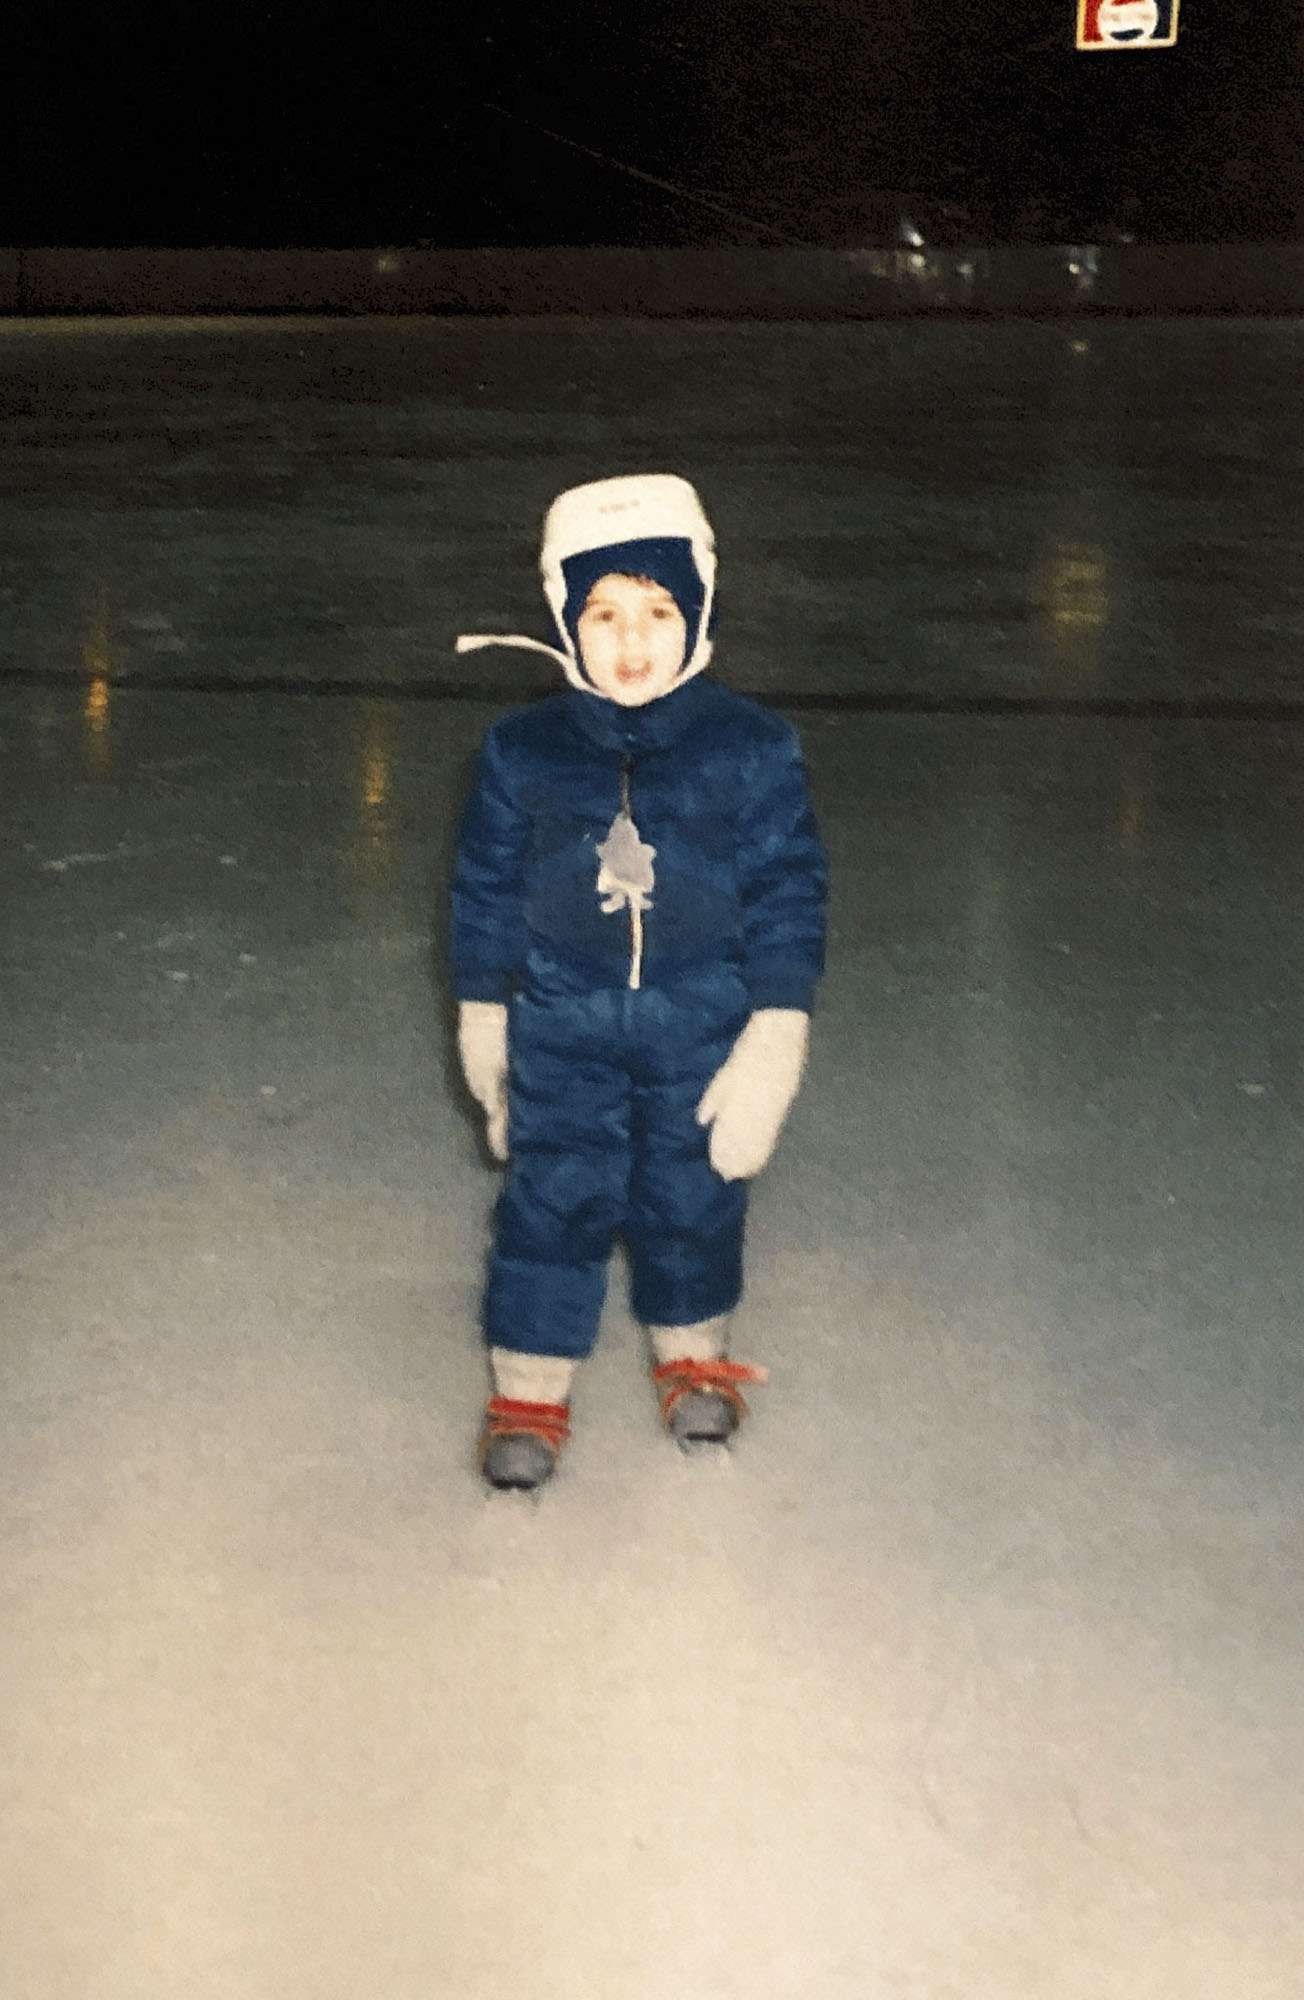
[{"x": 637, "y": 934}]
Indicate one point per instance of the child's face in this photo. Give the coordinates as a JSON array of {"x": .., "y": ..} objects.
[{"x": 632, "y": 637}]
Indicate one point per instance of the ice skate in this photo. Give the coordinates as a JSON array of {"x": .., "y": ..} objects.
[
  {"x": 701, "y": 1403},
  {"x": 522, "y": 1442}
]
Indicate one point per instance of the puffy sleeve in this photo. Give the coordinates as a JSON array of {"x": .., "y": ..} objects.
[
  {"x": 488, "y": 931},
  {"x": 784, "y": 882}
]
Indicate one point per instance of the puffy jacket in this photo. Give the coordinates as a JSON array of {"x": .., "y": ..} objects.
[{"x": 715, "y": 786}]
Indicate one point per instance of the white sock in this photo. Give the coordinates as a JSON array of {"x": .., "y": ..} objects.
[
  {"x": 704, "y": 1341},
  {"x": 531, "y": 1378}
]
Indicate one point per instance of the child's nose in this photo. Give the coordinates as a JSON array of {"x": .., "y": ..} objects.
[{"x": 638, "y": 636}]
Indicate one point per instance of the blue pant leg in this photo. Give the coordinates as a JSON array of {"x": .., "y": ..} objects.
[
  {"x": 685, "y": 1225},
  {"x": 568, "y": 1178}
]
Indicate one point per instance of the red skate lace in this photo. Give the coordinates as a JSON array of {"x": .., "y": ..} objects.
[
  {"x": 676, "y": 1379},
  {"x": 508, "y": 1418}
]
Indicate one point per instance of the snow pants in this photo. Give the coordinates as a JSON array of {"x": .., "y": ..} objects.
[{"x": 603, "y": 1087}]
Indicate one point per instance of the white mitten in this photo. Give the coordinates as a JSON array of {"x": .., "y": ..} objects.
[
  {"x": 482, "y": 1046},
  {"x": 751, "y": 1094}
]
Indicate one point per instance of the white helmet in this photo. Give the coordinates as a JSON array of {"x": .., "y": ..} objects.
[{"x": 639, "y": 507}]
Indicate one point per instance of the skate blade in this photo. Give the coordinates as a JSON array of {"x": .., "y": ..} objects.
[
  {"x": 507, "y": 1497},
  {"x": 692, "y": 1447}
]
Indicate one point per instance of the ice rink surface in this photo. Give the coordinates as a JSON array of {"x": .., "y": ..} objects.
[{"x": 974, "y": 1672}]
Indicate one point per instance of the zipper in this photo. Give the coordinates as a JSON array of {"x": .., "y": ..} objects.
[{"x": 635, "y": 914}]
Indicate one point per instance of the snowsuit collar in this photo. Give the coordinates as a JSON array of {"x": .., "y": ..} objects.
[{"x": 636, "y": 730}]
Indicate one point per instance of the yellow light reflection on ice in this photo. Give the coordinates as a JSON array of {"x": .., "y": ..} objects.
[
  {"x": 1071, "y": 597},
  {"x": 95, "y": 708},
  {"x": 376, "y": 775},
  {"x": 370, "y": 859},
  {"x": 1074, "y": 595},
  {"x": 97, "y": 664}
]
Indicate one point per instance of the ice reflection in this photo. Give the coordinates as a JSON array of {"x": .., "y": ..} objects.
[
  {"x": 377, "y": 751},
  {"x": 370, "y": 856},
  {"x": 1075, "y": 597},
  {"x": 97, "y": 665},
  {"x": 1071, "y": 594}
]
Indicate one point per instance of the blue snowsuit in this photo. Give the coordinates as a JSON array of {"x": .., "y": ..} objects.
[{"x": 605, "y": 1076}]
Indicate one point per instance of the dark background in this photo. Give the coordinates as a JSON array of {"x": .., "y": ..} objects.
[{"x": 814, "y": 121}]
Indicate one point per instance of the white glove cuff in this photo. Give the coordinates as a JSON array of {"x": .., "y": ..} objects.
[{"x": 482, "y": 1047}]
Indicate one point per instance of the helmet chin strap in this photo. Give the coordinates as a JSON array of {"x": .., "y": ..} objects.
[{"x": 471, "y": 642}]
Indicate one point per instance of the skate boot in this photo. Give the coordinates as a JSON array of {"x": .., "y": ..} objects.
[
  {"x": 701, "y": 1403},
  {"x": 528, "y": 1418},
  {"x": 522, "y": 1442}
]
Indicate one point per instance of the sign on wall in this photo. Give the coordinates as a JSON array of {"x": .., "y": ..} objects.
[{"x": 1127, "y": 24}]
